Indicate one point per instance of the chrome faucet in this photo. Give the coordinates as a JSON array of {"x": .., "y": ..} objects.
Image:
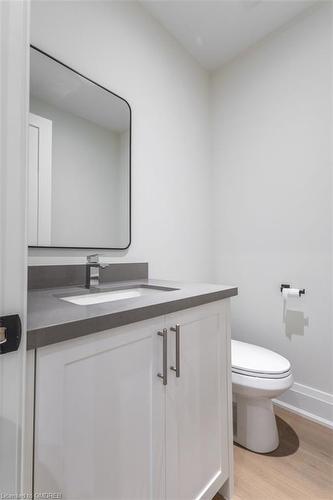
[{"x": 93, "y": 267}]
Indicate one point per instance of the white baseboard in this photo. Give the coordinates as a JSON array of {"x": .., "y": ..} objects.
[{"x": 309, "y": 402}]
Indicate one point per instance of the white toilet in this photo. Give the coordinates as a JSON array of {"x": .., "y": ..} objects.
[{"x": 258, "y": 376}]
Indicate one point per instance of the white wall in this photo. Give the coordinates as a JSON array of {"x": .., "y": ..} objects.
[
  {"x": 272, "y": 124},
  {"x": 121, "y": 47}
]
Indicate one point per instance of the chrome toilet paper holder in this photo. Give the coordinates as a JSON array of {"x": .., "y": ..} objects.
[{"x": 301, "y": 291}]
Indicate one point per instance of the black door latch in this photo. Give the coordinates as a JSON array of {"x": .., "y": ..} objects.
[{"x": 10, "y": 333}]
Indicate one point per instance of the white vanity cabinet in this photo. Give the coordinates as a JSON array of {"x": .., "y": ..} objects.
[
  {"x": 197, "y": 404},
  {"x": 107, "y": 426},
  {"x": 100, "y": 416}
]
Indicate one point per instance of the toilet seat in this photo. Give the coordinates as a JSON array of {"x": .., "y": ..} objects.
[
  {"x": 260, "y": 387},
  {"x": 261, "y": 375},
  {"x": 255, "y": 361}
]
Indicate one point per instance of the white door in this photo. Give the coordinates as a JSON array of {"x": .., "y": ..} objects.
[
  {"x": 100, "y": 416},
  {"x": 197, "y": 454},
  {"x": 39, "y": 181},
  {"x": 13, "y": 150}
]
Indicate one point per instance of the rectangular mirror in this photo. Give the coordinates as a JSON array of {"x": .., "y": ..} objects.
[{"x": 79, "y": 160}]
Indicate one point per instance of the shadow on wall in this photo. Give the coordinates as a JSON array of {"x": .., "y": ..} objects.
[{"x": 294, "y": 320}]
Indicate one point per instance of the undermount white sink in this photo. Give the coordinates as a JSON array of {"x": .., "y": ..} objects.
[{"x": 110, "y": 296}]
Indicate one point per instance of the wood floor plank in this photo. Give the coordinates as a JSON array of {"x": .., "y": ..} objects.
[{"x": 300, "y": 469}]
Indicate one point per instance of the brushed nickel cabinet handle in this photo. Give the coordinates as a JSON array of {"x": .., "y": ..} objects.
[
  {"x": 164, "y": 376},
  {"x": 176, "y": 329}
]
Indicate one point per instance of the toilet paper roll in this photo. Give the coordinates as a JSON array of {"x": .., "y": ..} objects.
[{"x": 290, "y": 292}]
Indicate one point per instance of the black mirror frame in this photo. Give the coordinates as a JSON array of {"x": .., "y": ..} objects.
[{"x": 130, "y": 159}]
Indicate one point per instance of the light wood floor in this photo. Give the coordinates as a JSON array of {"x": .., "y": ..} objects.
[{"x": 301, "y": 468}]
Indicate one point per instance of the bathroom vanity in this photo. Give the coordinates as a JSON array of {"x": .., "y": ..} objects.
[{"x": 136, "y": 403}]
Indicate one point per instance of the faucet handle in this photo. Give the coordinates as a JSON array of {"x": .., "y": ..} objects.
[{"x": 93, "y": 259}]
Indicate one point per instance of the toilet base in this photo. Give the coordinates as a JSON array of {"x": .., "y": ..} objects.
[{"x": 255, "y": 425}]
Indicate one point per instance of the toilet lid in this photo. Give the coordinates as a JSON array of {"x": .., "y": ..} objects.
[{"x": 254, "y": 360}]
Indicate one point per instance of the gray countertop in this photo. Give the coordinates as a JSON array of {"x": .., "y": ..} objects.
[{"x": 52, "y": 320}]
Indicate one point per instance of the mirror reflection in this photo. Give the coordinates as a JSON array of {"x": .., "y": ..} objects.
[{"x": 79, "y": 160}]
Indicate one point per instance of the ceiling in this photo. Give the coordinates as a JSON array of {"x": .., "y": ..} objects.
[{"x": 216, "y": 31}]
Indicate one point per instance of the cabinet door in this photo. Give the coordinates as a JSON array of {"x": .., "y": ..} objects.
[
  {"x": 100, "y": 416},
  {"x": 197, "y": 405}
]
